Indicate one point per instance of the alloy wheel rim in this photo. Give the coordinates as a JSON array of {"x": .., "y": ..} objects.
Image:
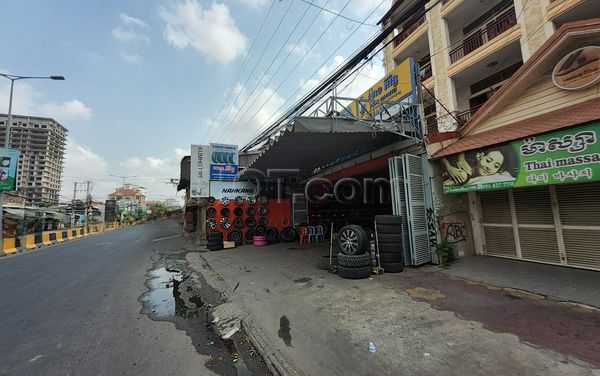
[{"x": 349, "y": 241}]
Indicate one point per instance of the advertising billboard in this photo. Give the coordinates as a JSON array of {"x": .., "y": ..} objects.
[
  {"x": 565, "y": 156},
  {"x": 9, "y": 159},
  {"x": 199, "y": 171},
  {"x": 233, "y": 189},
  {"x": 398, "y": 84},
  {"x": 223, "y": 162}
]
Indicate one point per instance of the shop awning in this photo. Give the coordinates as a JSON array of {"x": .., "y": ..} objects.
[{"x": 312, "y": 142}]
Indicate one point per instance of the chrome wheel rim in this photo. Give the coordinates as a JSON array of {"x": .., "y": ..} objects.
[{"x": 349, "y": 241}]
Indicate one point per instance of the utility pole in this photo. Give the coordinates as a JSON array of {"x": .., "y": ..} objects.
[
  {"x": 73, "y": 205},
  {"x": 88, "y": 201}
]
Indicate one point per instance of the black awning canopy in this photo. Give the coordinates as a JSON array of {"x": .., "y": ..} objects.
[{"x": 314, "y": 142}]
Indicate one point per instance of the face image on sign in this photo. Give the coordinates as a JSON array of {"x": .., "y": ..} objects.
[
  {"x": 493, "y": 165},
  {"x": 3, "y": 174}
]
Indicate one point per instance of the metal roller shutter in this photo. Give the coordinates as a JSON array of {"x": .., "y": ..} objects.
[
  {"x": 579, "y": 208},
  {"x": 497, "y": 224}
]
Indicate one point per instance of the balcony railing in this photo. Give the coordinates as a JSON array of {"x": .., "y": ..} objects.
[
  {"x": 406, "y": 32},
  {"x": 425, "y": 70},
  {"x": 464, "y": 116},
  {"x": 485, "y": 34}
]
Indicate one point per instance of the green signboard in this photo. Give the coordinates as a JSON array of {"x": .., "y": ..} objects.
[
  {"x": 565, "y": 156},
  {"x": 9, "y": 158}
]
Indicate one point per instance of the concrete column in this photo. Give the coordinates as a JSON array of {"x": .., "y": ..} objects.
[
  {"x": 476, "y": 223},
  {"x": 535, "y": 28}
]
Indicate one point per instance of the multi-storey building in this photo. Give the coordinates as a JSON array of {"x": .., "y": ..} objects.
[
  {"x": 516, "y": 82},
  {"x": 41, "y": 142}
]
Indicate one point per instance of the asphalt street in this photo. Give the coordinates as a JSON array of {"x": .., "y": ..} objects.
[{"x": 73, "y": 309}]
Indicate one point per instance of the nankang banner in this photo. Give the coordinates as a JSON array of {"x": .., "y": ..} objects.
[
  {"x": 566, "y": 156},
  {"x": 9, "y": 159},
  {"x": 223, "y": 162}
]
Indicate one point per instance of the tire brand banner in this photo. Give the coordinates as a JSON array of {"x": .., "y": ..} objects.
[
  {"x": 566, "y": 156},
  {"x": 232, "y": 189},
  {"x": 200, "y": 171},
  {"x": 223, "y": 162},
  {"x": 9, "y": 159}
]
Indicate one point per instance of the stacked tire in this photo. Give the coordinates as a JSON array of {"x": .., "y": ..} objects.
[
  {"x": 389, "y": 241},
  {"x": 353, "y": 260},
  {"x": 215, "y": 241}
]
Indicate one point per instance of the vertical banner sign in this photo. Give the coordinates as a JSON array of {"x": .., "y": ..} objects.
[
  {"x": 199, "y": 171},
  {"x": 223, "y": 162},
  {"x": 9, "y": 158},
  {"x": 566, "y": 156}
]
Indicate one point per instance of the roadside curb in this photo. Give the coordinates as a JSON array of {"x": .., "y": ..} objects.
[{"x": 276, "y": 361}]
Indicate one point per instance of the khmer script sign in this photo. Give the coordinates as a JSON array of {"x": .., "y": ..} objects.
[{"x": 566, "y": 156}]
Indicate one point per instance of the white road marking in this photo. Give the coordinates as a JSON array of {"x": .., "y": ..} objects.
[
  {"x": 36, "y": 358},
  {"x": 165, "y": 238}
]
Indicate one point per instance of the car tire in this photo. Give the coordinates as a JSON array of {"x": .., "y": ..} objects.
[
  {"x": 323, "y": 261},
  {"x": 390, "y": 248},
  {"x": 288, "y": 234},
  {"x": 389, "y": 238},
  {"x": 354, "y": 273},
  {"x": 354, "y": 261},
  {"x": 392, "y": 267},
  {"x": 391, "y": 257},
  {"x": 216, "y": 235},
  {"x": 249, "y": 236},
  {"x": 389, "y": 229},
  {"x": 388, "y": 220},
  {"x": 216, "y": 248},
  {"x": 272, "y": 235},
  {"x": 353, "y": 240}
]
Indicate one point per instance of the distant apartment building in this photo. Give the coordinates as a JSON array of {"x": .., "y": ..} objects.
[
  {"x": 41, "y": 142},
  {"x": 130, "y": 192}
]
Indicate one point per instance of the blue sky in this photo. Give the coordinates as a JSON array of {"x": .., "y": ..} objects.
[{"x": 146, "y": 78}]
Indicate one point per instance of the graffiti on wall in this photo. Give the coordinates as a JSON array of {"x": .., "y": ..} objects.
[
  {"x": 454, "y": 232},
  {"x": 431, "y": 228}
]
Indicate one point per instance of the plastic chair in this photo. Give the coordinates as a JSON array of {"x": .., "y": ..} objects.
[
  {"x": 303, "y": 234},
  {"x": 312, "y": 234},
  {"x": 320, "y": 234}
]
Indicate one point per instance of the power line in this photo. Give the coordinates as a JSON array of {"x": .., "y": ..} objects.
[
  {"x": 243, "y": 66},
  {"x": 337, "y": 14},
  {"x": 269, "y": 67},
  {"x": 315, "y": 72},
  {"x": 298, "y": 63},
  {"x": 255, "y": 65}
]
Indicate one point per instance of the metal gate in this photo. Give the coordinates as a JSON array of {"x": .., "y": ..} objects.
[{"x": 411, "y": 196}]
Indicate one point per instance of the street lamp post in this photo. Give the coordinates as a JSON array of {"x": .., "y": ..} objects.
[{"x": 13, "y": 78}]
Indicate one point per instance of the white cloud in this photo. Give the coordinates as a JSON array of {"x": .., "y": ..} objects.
[
  {"x": 25, "y": 98},
  {"x": 298, "y": 49},
  {"x": 211, "y": 30},
  {"x": 245, "y": 117},
  {"x": 254, "y": 3},
  {"x": 132, "y": 58},
  {"x": 132, "y": 21},
  {"x": 180, "y": 153},
  {"x": 307, "y": 85},
  {"x": 69, "y": 110},
  {"x": 125, "y": 35},
  {"x": 149, "y": 163}
]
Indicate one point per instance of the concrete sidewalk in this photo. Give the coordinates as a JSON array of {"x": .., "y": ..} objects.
[
  {"x": 556, "y": 282},
  {"x": 311, "y": 322}
]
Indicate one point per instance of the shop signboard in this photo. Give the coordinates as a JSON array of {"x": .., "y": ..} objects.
[
  {"x": 223, "y": 162},
  {"x": 9, "y": 158},
  {"x": 232, "y": 189},
  {"x": 199, "y": 171},
  {"x": 579, "y": 69},
  {"x": 566, "y": 156},
  {"x": 397, "y": 85}
]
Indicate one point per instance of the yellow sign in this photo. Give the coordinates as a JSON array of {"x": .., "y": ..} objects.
[{"x": 396, "y": 85}]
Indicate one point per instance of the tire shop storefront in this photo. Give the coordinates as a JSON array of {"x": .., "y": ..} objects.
[
  {"x": 531, "y": 157},
  {"x": 349, "y": 174}
]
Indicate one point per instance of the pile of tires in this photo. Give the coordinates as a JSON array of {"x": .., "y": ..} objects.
[
  {"x": 215, "y": 241},
  {"x": 353, "y": 260},
  {"x": 389, "y": 241}
]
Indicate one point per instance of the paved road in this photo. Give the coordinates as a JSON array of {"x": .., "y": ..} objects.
[{"x": 73, "y": 309}]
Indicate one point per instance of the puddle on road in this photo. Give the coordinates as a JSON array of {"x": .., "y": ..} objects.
[{"x": 160, "y": 299}]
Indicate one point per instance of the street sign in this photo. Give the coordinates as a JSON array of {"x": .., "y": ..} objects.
[{"x": 9, "y": 158}]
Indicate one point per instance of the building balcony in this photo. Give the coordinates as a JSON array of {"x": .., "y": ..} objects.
[
  {"x": 562, "y": 11},
  {"x": 409, "y": 30},
  {"x": 411, "y": 41},
  {"x": 484, "y": 35},
  {"x": 464, "y": 116}
]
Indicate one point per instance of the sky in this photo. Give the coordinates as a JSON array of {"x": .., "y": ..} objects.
[{"x": 145, "y": 79}]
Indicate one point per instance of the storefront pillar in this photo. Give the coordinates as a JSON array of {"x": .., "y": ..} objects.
[{"x": 476, "y": 223}]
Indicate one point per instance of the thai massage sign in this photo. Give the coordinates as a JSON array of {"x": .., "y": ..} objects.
[{"x": 566, "y": 156}]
